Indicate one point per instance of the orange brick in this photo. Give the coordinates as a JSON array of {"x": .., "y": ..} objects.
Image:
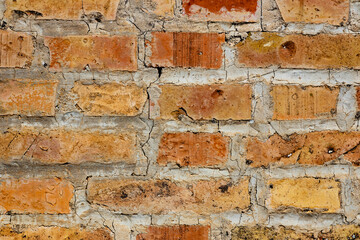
[
  {"x": 314, "y": 148},
  {"x": 41, "y": 233},
  {"x": 193, "y": 149},
  {"x": 163, "y": 196},
  {"x": 16, "y": 49},
  {"x": 63, "y": 9},
  {"x": 100, "y": 52},
  {"x": 112, "y": 99},
  {"x": 27, "y": 97},
  {"x": 358, "y": 97},
  {"x": 305, "y": 193},
  {"x": 170, "y": 49},
  {"x": 333, "y": 12},
  {"x": 183, "y": 232},
  {"x": 35, "y": 195},
  {"x": 206, "y": 102},
  {"x": 222, "y": 10},
  {"x": 66, "y": 146},
  {"x": 322, "y": 51},
  {"x": 295, "y": 102}
]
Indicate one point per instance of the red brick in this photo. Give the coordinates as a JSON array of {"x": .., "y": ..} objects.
[
  {"x": 193, "y": 149},
  {"x": 183, "y": 232},
  {"x": 315, "y": 11},
  {"x": 27, "y": 97},
  {"x": 358, "y": 97},
  {"x": 35, "y": 195},
  {"x": 222, "y": 10},
  {"x": 206, "y": 102},
  {"x": 314, "y": 148},
  {"x": 170, "y": 49},
  {"x": 100, "y": 52},
  {"x": 16, "y": 49},
  {"x": 42, "y": 233},
  {"x": 321, "y": 51},
  {"x": 163, "y": 196},
  {"x": 63, "y": 9},
  {"x": 295, "y": 102},
  {"x": 54, "y": 146}
]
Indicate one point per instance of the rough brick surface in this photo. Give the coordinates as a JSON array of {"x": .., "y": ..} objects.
[
  {"x": 55, "y": 233},
  {"x": 63, "y": 9},
  {"x": 183, "y": 232},
  {"x": 222, "y": 10},
  {"x": 66, "y": 146},
  {"x": 314, "y": 148},
  {"x": 35, "y": 196},
  {"x": 295, "y": 102},
  {"x": 320, "y": 11},
  {"x": 193, "y": 149},
  {"x": 16, "y": 49},
  {"x": 110, "y": 99},
  {"x": 28, "y": 97},
  {"x": 94, "y": 52},
  {"x": 305, "y": 193},
  {"x": 202, "y": 50},
  {"x": 298, "y": 51},
  {"x": 206, "y": 102},
  {"x": 163, "y": 196}
]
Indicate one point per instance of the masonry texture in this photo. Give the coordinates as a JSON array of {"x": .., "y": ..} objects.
[{"x": 179, "y": 119}]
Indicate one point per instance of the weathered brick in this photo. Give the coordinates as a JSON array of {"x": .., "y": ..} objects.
[
  {"x": 295, "y": 102},
  {"x": 54, "y": 146},
  {"x": 112, "y": 99},
  {"x": 183, "y": 232},
  {"x": 358, "y": 98},
  {"x": 35, "y": 195},
  {"x": 314, "y": 148},
  {"x": 16, "y": 49},
  {"x": 305, "y": 194},
  {"x": 27, "y": 97},
  {"x": 55, "y": 233},
  {"x": 222, "y": 10},
  {"x": 337, "y": 232},
  {"x": 63, "y": 9},
  {"x": 180, "y": 49},
  {"x": 321, "y": 51},
  {"x": 206, "y": 102},
  {"x": 99, "y": 52},
  {"x": 163, "y": 196},
  {"x": 333, "y": 12},
  {"x": 193, "y": 149},
  {"x": 163, "y": 8}
]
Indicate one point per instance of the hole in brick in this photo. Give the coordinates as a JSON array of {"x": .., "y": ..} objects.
[
  {"x": 271, "y": 186},
  {"x": 330, "y": 150},
  {"x": 287, "y": 50},
  {"x": 248, "y": 162},
  {"x": 294, "y": 96},
  {"x": 217, "y": 93}
]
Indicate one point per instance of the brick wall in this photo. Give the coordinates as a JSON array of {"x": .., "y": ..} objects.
[{"x": 179, "y": 119}]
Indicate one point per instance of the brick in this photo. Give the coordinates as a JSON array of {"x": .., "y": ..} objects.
[
  {"x": 295, "y": 102},
  {"x": 314, "y": 148},
  {"x": 111, "y": 99},
  {"x": 163, "y": 196},
  {"x": 222, "y": 10},
  {"x": 321, "y": 51},
  {"x": 27, "y": 97},
  {"x": 193, "y": 149},
  {"x": 55, "y": 233},
  {"x": 16, "y": 49},
  {"x": 358, "y": 98},
  {"x": 336, "y": 232},
  {"x": 55, "y": 146},
  {"x": 184, "y": 49},
  {"x": 63, "y": 9},
  {"x": 163, "y": 8},
  {"x": 50, "y": 196},
  {"x": 305, "y": 194},
  {"x": 206, "y": 102},
  {"x": 334, "y": 12},
  {"x": 183, "y": 232},
  {"x": 99, "y": 52}
]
